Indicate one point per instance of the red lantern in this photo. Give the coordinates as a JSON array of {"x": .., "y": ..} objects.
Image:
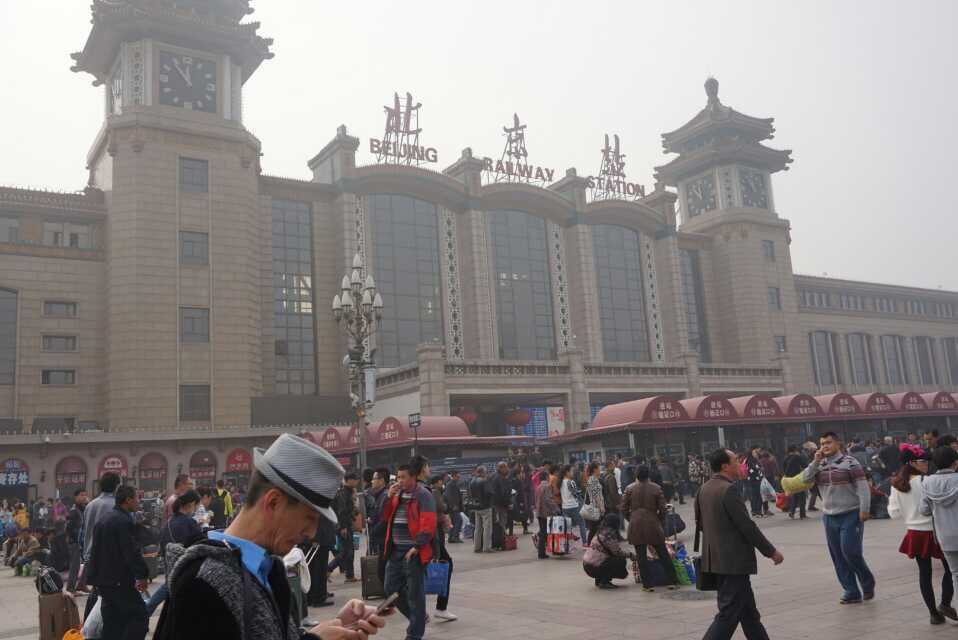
[
  {"x": 518, "y": 417},
  {"x": 467, "y": 415}
]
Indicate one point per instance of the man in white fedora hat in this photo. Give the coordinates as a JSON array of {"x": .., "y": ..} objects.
[{"x": 233, "y": 585}]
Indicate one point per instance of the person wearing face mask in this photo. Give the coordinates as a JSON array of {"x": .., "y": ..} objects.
[{"x": 233, "y": 584}]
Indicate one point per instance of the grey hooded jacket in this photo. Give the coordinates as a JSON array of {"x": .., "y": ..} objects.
[{"x": 940, "y": 501}]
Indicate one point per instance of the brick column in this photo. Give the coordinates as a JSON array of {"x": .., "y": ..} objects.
[
  {"x": 578, "y": 410},
  {"x": 433, "y": 399},
  {"x": 788, "y": 383},
  {"x": 692, "y": 375},
  {"x": 478, "y": 296}
]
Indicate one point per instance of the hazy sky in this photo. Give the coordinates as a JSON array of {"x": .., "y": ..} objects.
[{"x": 864, "y": 93}]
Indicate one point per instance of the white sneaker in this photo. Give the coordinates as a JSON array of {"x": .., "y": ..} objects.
[{"x": 446, "y": 615}]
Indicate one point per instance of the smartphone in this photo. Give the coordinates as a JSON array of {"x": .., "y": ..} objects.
[{"x": 381, "y": 609}]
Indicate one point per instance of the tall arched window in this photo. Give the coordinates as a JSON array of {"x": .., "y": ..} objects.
[
  {"x": 618, "y": 268},
  {"x": 8, "y": 336},
  {"x": 405, "y": 233},
  {"x": 523, "y": 286}
]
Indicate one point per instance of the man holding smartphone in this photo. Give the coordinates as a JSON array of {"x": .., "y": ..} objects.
[
  {"x": 410, "y": 514},
  {"x": 846, "y": 503}
]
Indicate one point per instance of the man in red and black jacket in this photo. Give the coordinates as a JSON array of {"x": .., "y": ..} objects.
[{"x": 410, "y": 514}]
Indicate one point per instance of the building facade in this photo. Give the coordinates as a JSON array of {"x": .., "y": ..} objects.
[{"x": 183, "y": 291}]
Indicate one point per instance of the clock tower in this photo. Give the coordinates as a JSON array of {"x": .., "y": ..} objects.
[
  {"x": 723, "y": 177},
  {"x": 180, "y": 174}
]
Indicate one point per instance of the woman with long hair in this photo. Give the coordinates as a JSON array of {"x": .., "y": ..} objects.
[
  {"x": 569, "y": 491},
  {"x": 919, "y": 542},
  {"x": 595, "y": 498}
]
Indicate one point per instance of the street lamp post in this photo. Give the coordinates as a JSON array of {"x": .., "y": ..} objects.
[{"x": 357, "y": 308}]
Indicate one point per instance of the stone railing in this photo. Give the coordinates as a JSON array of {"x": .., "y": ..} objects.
[
  {"x": 633, "y": 369},
  {"x": 506, "y": 369},
  {"x": 397, "y": 375},
  {"x": 739, "y": 371},
  {"x": 181, "y": 429}
]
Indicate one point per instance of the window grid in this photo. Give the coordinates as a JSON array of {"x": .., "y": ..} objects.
[
  {"x": 9, "y": 230},
  {"x": 768, "y": 250},
  {"x": 64, "y": 234},
  {"x": 893, "y": 353},
  {"x": 59, "y": 343},
  {"x": 194, "y": 324},
  {"x": 8, "y": 336},
  {"x": 618, "y": 265},
  {"x": 781, "y": 345},
  {"x": 195, "y": 402},
  {"x": 824, "y": 358},
  {"x": 925, "y": 360},
  {"x": 194, "y": 175},
  {"x": 194, "y": 248},
  {"x": 774, "y": 299},
  {"x": 524, "y": 307},
  {"x": 58, "y": 309},
  {"x": 293, "y": 299},
  {"x": 58, "y": 376},
  {"x": 951, "y": 357},
  {"x": 693, "y": 298},
  {"x": 860, "y": 359}
]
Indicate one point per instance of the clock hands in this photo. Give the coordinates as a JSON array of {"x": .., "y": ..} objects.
[{"x": 184, "y": 73}]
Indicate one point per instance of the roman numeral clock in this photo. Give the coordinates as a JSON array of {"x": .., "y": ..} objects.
[{"x": 187, "y": 81}]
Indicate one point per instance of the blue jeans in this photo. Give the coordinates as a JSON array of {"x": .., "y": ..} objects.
[
  {"x": 406, "y": 577},
  {"x": 159, "y": 597},
  {"x": 573, "y": 512},
  {"x": 456, "y": 531},
  {"x": 844, "y": 534}
]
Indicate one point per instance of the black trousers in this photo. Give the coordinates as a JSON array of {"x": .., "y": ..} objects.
[
  {"x": 593, "y": 529},
  {"x": 345, "y": 560},
  {"x": 317, "y": 577},
  {"x": 442, "y": 602},
  {"x": 613, "y": 568},
  {"x": 798, "y": 502},
  {"x": 736, "y": 605},
  {"x": 543, "y": 534},
  {"x": 124, "y": 614}
]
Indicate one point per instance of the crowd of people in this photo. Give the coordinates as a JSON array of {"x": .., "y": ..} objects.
[{"x": 253, "y": 564}]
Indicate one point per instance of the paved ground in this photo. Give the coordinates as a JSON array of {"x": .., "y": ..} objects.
[{"x": 514, "y": 595}]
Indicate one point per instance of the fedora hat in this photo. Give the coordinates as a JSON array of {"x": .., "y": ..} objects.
[{"x": 303, "y": 470}]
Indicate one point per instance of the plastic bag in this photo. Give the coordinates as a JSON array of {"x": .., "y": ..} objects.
[
  {"x": 437, "y": 578},
  {"x": 93, "y": 625},
  {"x": 768, "y": 491}
]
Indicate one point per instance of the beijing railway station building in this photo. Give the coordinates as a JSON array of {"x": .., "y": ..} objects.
[{"x": 175, "y": 312}]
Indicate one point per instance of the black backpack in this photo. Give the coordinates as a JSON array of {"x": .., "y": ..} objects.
[{"x": 48, "y": 581}]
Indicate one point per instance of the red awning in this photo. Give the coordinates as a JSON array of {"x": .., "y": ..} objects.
[
  {"x": 908, "y": 401},
  {"x": 657, "y": 409},
  {"x": 800, "y": 405},
  {"x": 71, "y": 464},
  {"x": 710, "y": 407},
  {"x": 940, "y": 401},
  {"x": 758, "y": 406},
  {"x": 874, "y": 403},
  {"x": 394, "y": 429},
  {"x": 839, "y": 404}
]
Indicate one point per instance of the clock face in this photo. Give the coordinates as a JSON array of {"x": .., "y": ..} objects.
[
  {"x": 754, "y": 189},
  {"x": 700, "y": 195},
  {"x": 188, "y": 82}
]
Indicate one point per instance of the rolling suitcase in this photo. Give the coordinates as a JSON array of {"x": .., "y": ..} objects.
[
  {"x": 510, "y": 543},
  {"x": 372, "y": 586},
  {"x": 58, "y": 614}
]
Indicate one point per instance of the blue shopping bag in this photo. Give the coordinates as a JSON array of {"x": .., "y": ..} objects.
[{"x": 437, "y": 578}]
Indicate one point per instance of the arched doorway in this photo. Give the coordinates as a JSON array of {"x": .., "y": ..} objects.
[
  {"x": 203, "y": 468},
  {"x": 14, "y": 479},
  {"x": 70, "y": 476},
  {"x": 152, "y": 474},
  {"x": 239, "y": 467}
]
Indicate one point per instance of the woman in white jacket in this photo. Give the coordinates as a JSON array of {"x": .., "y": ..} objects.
[{"x": 919, "y": 542}]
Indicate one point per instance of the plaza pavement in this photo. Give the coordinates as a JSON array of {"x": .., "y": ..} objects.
[{"x": 514, "y": 595}]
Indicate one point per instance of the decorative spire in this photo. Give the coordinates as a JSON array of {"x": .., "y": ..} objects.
[{"x": 711, "y": 90}]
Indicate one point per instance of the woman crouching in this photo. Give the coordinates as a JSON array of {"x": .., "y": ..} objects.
[{"x": 605, "y": 557}]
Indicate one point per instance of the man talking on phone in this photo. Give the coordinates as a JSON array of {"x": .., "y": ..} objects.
[
  {"x": 410, "y": 514},
  {"x": 846, "y": 503},
  {"x": 728, "y": 551}
]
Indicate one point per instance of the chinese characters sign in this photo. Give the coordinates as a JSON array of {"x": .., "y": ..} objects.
[
  {"x": 14, "y": 473},
  {"x": 400, "y": 142}
]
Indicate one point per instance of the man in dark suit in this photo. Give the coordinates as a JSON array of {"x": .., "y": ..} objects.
[
  {"x": 730, "y": 540},
  {"x": 119, "y": 572}
]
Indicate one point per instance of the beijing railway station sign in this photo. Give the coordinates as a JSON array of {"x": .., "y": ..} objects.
[{"x": 400, "y": 142}]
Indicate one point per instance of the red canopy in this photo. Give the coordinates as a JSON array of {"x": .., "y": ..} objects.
[
  {"x": 759, "y": 405},
  {"x": 940, "y": 401},
  {"x": 394, "y": 429},
  {"x": 799, "y": 405},
  {"x": 710, "y": 407},
  {"x": 908, "y": 401},
  {"x": 874, "y": 403},
  {"x": 657, "y": 409},
  {"x": 839, "y": 404}
]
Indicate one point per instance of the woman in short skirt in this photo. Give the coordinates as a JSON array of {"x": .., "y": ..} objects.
[{"x": 919, "y": 542}]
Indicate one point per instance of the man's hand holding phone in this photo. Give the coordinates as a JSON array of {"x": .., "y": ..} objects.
[{"x": 356, "y": 621}]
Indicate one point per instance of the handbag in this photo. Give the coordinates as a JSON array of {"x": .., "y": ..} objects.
[
  {"x": 674, "y": 524},
  {"x": 794, "y": 485},
  {"x": 437, "y": 578},
  {"x": 704, "y": 580}
]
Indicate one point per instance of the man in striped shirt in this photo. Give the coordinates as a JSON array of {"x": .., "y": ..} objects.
[{"x": 846, "y": 503}]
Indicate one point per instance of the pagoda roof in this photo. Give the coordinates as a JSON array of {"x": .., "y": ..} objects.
[
  {"x": 209, "y": 25},
  {"x": 718, "y": 151},
  {"x": 717, "y": 117}
]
